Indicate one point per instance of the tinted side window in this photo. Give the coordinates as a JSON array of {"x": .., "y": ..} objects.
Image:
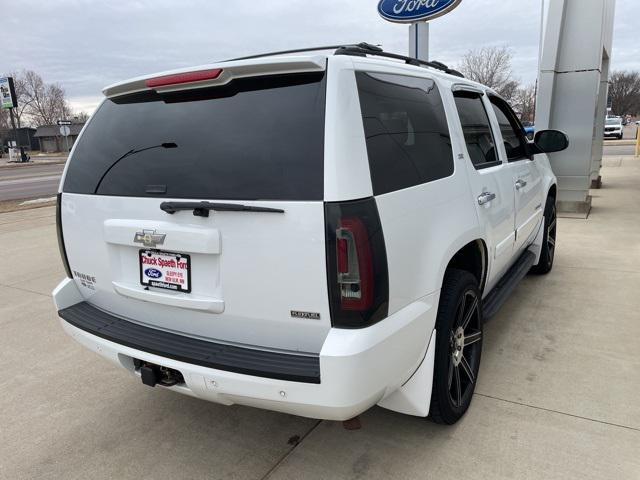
[
  {"x": 476, "y": 129},
  {"x": 257, "y": 138},
  {"x": 512, "y": 131},
  {"x": 408, "y": 140}
]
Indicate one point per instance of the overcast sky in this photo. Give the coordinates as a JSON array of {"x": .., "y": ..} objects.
[{"x": 85, "y": 45}]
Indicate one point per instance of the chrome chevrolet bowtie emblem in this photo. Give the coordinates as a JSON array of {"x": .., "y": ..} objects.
[{"x": 149, "y": 238}]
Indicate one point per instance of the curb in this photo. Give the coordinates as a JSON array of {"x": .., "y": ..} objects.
[
  {"x": 619, "y": 142},
  {"x": 18, "y": 208},
  {"x": 32, "y": 164}
]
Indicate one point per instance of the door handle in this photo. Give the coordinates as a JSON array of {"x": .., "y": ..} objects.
[
  {"x": 486, "y": 197},
  {"x": 520, "y": 184}
]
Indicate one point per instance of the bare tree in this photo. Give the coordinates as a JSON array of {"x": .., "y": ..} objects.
[
  {"x": 4, "y": 119},
  {"x": 624, "y": 93},
  {"x": 39, "y": 103},
  {"x": 21, "y": 112},
  {"x": 491, "y": 66},
  {"x": 524, "y": 102},
  {"x": 46, "y": 102},
  {"x": 80, "y": 117}
]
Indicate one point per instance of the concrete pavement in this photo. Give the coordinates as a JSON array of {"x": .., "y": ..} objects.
[
  {"x": 557, "y": 396},
  {"x": 630, "y": 131},
  {"x": 619, "y": 150}
]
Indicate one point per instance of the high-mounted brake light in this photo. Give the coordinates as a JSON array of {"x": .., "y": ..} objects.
[
  {"x": 356, "y": 264},
  {"x": 181, "y": 78}
]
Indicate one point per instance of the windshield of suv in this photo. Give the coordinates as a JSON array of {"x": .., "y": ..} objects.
[
  {"x": 614, "y": 121},
  {"x": 258, "y": 138}
]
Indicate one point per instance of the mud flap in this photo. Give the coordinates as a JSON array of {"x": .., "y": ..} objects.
[{"x": 414, "y": 397}]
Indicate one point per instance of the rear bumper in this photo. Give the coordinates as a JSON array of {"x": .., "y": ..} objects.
[
  {"x": 220, "y": 356},
  {"x": 357, "y": 368}
]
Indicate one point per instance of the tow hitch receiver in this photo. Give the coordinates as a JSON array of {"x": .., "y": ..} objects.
[
  {"x": 153, "y": 375},
  {"x": 148, "y": 376}
]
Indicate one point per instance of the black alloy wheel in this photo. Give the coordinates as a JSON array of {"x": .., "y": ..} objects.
[
  {"x": 465, "y": 346},
  {"x": 458, "y": 347}
]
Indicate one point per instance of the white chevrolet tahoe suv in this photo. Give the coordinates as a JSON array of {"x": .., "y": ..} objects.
[{"x": 311, "y": 234}]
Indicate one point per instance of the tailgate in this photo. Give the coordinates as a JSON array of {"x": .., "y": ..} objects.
[{"x": 248, "y": 271}]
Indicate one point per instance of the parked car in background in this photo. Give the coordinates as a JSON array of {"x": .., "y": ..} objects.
[
  {"x": 613, "y": 128},
  {"x": 335, "y": 241},
  {"x": 529, "y": 129}
]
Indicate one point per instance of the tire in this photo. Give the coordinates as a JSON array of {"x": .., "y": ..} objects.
[
  {"x": 458, "y": 347},
  {"x": 549, "y": 239}
]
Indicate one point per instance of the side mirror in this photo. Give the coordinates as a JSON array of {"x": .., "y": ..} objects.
[{"x": 551, "y": 141}]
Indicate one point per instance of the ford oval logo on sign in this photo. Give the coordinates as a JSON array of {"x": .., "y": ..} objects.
[
  {"x": 410, "y": 11},
  {"x": 153, "y": 273}
]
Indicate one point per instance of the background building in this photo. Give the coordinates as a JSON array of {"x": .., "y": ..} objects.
[
  {"x": 26, "y": 138},
  {"x": 51, "y": 140}
]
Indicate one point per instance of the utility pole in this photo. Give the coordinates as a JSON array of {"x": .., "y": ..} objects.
[
  {"x": 8, "y": 100},
  {"x": 13, "y": 125}
]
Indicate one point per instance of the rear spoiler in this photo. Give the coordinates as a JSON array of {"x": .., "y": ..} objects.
[{"x": 216, "y": 74}]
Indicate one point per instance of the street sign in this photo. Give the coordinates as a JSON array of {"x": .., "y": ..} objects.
[
  {"x": 412, "y": 11},
  {"x": 63, "y": 122},
  {"x": 7, "y": 93},
  {"x": 65, "y": 131}
]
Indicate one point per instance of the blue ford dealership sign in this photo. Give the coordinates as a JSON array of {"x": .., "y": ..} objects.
[{"x": 409, "y": 11}]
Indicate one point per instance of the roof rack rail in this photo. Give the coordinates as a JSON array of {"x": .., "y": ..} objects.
[
  {"x": 303, "y": 50},
  {"x": 363, "y": 49},
  {"x": 360, "y": 49}
]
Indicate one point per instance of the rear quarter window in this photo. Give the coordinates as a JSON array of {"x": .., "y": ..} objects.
[
  {"x": 406, "y": 131},
  {"x": 259, "y": 138}
]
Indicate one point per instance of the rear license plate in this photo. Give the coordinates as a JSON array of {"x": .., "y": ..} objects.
[{"x": 167, "y": 270}]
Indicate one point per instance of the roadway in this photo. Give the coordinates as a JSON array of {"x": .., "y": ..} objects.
[
  {"x": 40, "y": 181},
  {"x": 33, "y": 181}
]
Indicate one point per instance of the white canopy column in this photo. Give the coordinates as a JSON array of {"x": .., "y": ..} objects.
[{"x": 572, "y": 93}]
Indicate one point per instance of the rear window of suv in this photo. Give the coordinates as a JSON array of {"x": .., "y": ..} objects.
[{"x": 259, "y": 138}]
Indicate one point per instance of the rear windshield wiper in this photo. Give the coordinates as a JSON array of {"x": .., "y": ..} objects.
[
  {"x": 201, "y": 209},
  {"x": 133, "y": 151}
]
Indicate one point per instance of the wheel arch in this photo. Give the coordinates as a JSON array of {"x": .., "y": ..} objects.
[
  {"x": 469, "y": 252},
  {"x": 473, "y": 258}
]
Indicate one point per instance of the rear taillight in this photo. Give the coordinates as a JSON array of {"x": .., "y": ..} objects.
[
  {"x": 63, "y": 251},
  {"x": 356, "y": 264}
]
